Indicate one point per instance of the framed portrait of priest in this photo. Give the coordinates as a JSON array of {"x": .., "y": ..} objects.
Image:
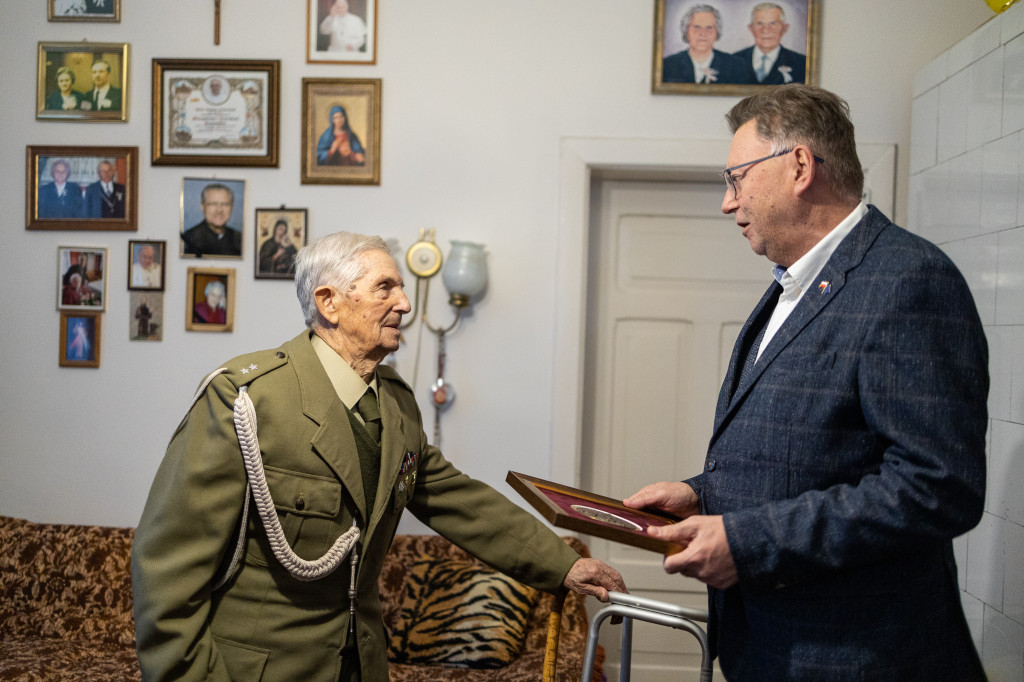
[
  {"x": 341, "y": 31},
  {"x": 733, "y": 47},
  {"x": 212, "y": 218}
]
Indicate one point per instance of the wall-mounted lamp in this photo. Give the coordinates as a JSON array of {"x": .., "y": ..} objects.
[{"x": 465, "y": 276}]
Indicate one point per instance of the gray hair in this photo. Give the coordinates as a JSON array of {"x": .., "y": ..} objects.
[
  {"x": 216, "y": 285},
  {"x": 688, "y": 19},
  {"x": 788, "y": 115},
  {"x": 217, "y": 185},
  {"x": 762, "y": 6},
  {"x": 334, "y": 260}
]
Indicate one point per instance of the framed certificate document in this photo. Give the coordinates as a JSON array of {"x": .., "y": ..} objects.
[{"x": 593, "y": 514}]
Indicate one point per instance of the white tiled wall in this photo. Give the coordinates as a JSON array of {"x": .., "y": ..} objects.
[{"x": 967, "y": 195}]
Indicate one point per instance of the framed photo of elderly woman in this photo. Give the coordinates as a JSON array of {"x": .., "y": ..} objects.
[
  {"x": 83, "y": 10},
  {"x": 215, "y": 112},
  {"x": 80, "y": 339},
  {"x": 341, "y": 131},
  {"x": 81, "y": 188},
  {"x": 81, "y": 278},
  {"x": 82, "y": 82},
  {"x": 280, "y": 233},
  {"x": 341, "y": 31},
  {"x": 733, "y": 47},
  {"x": 210, "y": 301}
]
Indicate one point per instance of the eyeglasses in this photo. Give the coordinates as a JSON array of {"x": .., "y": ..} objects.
[{"x": 733, "y": 181}]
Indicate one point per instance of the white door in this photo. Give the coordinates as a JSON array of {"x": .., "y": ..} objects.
[{"x": 671, "y": 282}]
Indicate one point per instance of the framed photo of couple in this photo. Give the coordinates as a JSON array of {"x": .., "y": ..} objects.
[
  {"x": 82, "y": 82},
  {"x": 733, "y": 47}
]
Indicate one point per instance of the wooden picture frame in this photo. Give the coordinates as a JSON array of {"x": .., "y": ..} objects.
[
  {"x": 80, "y": 339},
  {"x": 341, "y": 131},
  {"x": 203, "y": 213},
  {"x": 592, "y": 514},
  {"x": 75, "y": 198},
  {"x": 84, "y": 10},
  {"x": 210, "y": 301},
  {"x": 788, "y": 28},
  {"x": 279, "y": 234},
  {"x": 78, "y": 68},
  {"x": 333, "y": 37},
  {"x": 145, "y": 316},
  {"x": 81, "y": 278},
  {"x": 146, "y": 264},
  {"x": 216, "y": 112}
]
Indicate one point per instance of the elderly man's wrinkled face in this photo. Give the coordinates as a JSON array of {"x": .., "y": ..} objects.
[
  {"x": 372, "y": 310},
  {"x": 146, "y": 256},
  {"x": 106, "y": 172},
  {"x": 768, "y": 29}
]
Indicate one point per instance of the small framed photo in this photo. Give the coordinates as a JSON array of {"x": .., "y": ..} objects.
[
  {"x": 80, "y": 339},
  {"x": 280, "y": 233},
  {"x": 146, "y": 265},
  {"x": 210, "y": 302},
  {"x": 215, "y": 112},
  {"x": 341, "y": 131},
  {"x": 212, "y": 218},
  {"x": 81, "y": 278},
  {"x": 341, "y": 31},
  {"x": 83, "y": 10},
  {"x": 82, "y": 81},
  {"x": 733, "y": 47},
  {"x": 81, "y": 188},
  {"x": 146, "y": 316}
]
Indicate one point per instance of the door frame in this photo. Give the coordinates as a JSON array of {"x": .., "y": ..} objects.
[{"x": 583, "y": 159}]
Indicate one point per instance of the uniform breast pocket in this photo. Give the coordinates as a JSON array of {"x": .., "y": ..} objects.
[
  {"x": 308, "y": 507},
  {"x": 405, "y": 484}
]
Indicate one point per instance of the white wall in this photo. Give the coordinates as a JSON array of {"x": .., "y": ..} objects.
[
  {"x": 476, "y": 98},
  {"x": 967, "y": 194}
]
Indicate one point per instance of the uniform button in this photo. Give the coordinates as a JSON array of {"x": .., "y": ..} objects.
[
  {"x": 300, "y": 503},
  {"x": 712, "y": 464},
  {"x": 280, "y": 354}
]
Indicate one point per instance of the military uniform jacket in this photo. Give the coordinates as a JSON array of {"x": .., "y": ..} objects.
[{"x": 265, "y": 624}]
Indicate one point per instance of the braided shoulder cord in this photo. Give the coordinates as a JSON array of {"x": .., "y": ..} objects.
[{"x": 299, "y": 568}]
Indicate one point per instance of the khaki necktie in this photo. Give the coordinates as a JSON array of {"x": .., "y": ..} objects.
[{"x": 370, "y": 413}]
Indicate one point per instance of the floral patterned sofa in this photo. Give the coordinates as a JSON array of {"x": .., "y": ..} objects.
[{"x": 66, "y": 607}]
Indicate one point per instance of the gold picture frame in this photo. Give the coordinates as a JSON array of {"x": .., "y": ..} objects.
[
  {"x": 65, "y": 188},
  {"x": 80, "y": 339},
  {"x": 84, "y": 10},
  {"x": 341, "y": 134},
  {"x": 73, "y": 85},
  {"x": 210, "y": 301}
]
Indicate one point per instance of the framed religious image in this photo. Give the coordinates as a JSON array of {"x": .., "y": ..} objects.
[
  {"x": 210, "y": 301},
  {"x": 81, "y": 188},
  {"x": 146, "y": 265},
  {"x": 733, "y": 47},
  {"x": 82, "y": 82},
  {"x": 596, "y": 515},
  {"x": 145, "y": 316},
  {"x": 341, "y": 31},
  {"x": 83, "y": 10},
  {"x": 280, "y": 233},
  {"x": 341, "y": 131},
  {"x": 215, "y": 112},
  {"x": 81, "y": 278},
  {"x": 212, "y": 218},
  {"x": 79, "y": 339}
]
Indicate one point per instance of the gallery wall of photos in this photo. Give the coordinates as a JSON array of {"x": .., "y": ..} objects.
[{"x": 214, "y": 118}]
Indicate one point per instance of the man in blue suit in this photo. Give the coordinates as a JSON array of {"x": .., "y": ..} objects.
[
  {"x": 700, "y": 62},
  {"x": 848, "y": 447}
]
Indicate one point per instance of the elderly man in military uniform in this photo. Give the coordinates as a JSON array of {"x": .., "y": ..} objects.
[{"x": 341, "y": 452}]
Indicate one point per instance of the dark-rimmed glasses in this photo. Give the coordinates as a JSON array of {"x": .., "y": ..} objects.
[{"x": 733, "y": 181}]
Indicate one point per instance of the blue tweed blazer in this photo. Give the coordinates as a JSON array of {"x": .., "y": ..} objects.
[{"x": 844, "y": 463}]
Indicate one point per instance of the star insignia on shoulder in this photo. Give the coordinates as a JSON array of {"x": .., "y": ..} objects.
[{"x": 250, "y": 368}]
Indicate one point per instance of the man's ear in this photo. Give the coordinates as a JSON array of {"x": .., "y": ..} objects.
[
  {"x": 805, "y": 168},
  {"x": 327, "y": 299}
]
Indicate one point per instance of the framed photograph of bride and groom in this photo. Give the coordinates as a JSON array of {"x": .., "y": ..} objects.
[
  {"x": 733, "y": 47},
  {"x": 82, "y": 82}
]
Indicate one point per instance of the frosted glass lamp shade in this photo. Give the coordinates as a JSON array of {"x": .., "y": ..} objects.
[{"x": 465, "y": 272}]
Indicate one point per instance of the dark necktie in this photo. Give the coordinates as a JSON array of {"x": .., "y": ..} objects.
[{"x": 370, "y": 413}]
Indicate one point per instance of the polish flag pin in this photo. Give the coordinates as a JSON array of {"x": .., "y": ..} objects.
[{"x": 825, "y": 287}]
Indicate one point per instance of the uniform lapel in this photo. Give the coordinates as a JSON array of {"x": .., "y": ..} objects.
[
  {"x": 334, "y": 440},
  {"x": 392, "y": 444}
]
